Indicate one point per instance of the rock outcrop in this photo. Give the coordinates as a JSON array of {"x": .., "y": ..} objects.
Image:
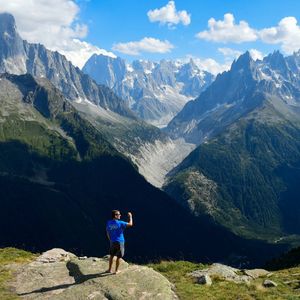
[
  {"x": 58, "y": 274},
  {"x": 228, "y": 273}
]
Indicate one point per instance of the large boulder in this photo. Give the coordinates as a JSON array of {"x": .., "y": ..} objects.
[{"x": 65, "y": 276}]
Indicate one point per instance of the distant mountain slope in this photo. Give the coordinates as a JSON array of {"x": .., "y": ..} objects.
[
  {"x": 154, "y": 152},
  {"x": 236, "y": 93},
  {"x": 19, "y": 57},
  {"x": 155, "y": 91},
  {"x": 60, "y": 178},
  {"x": 245, "y": 173}
]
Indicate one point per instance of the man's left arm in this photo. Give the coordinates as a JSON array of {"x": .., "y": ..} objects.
[{"x": 107, "y": 235}]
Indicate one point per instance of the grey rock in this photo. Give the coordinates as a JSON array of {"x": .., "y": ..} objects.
[
  {"x": 55, "y": 255},
  {"x": 204, "y": 279},
  {"x": 256, "y": 273},
  {"x": 86, "y": 279},
  {"x": 225, "y": 272},
  {"x": 269, "y": 283}
]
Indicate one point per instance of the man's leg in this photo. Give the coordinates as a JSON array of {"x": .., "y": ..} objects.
[
  {"x": 117, "y": 265},
  {"x": 111, "y": 257}
]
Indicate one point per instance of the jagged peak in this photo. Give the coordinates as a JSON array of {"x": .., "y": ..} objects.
[
  {"x": 274, "y": 56},
  {"x": 243, "y": 61},
  {"x": 296, "y": 53},
  {"x": 7, "y": 23}
]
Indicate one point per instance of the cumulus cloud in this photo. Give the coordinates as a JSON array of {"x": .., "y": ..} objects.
[
  {"x": 147, "y": 44},
  {"x": 256, "y": 54},
  {"x": 81, "y": 51},
  {"x": 230, "y": 53},
  {"x": 169, "y": 15},
  {"x": 227, "y": 30},
  {"x": 286, "y": 33},
  {"x": 209, "y": 64},
  {"x": 53, "y": 23}
]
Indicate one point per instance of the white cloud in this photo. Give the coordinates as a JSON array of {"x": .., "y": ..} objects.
[
  {"x": 286, "y": 33},
  {"x": 256, "y": 54},
  {"x": 209, "y": 64},
  {"x": 227, "y": 30},
  {"x": 147, "y": 44},
  {"x": 230, "y": 53},
  {"x": 169, "y": 15},
  {"x": 80, "y": 52},
  {"x": 53, "y": 23}
]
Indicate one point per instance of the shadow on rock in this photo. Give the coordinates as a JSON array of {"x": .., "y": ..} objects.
[{"x": 74, "y": 271}]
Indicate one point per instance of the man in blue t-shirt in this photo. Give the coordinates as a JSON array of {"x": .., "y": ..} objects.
[{"x": 114, "y": 231}]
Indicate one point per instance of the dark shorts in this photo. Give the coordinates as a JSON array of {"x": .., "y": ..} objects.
[{"x": 117, "y": 249}]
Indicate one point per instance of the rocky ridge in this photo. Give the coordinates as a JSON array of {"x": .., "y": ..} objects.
[
  {"x": 17, "y": 56},
  {"x": 249, "y": 85},
  {"x": 155, "y": 91}
]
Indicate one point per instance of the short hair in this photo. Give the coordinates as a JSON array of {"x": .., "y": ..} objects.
[{"x": 114, "y": 212}]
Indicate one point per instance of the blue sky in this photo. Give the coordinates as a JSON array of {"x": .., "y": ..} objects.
[
  {"x": 114, "y": 21},
  {"x": 157, "y": 29}
]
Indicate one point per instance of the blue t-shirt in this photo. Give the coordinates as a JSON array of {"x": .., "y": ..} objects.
[{"x": 115, "y": 230}]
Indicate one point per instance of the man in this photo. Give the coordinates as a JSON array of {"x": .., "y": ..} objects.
[{"x": 114, "y": 231}]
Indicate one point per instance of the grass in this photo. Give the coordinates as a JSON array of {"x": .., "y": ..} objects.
[
  {"x": 187, "y": 288},
  {"x": 10, "y": 256}
]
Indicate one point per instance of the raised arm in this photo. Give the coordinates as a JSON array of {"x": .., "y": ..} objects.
[{"x": 130, "y": 221}]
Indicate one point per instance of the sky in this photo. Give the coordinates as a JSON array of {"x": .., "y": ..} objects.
[{"x": 212, "y": 32}]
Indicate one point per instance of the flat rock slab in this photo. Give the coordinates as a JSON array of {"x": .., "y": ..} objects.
[
  {"x": 76, "y": 278},
  {"x": 256, "y": 273}
]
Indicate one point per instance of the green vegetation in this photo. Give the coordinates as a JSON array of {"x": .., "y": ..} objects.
[
  {"x": 40, "y": 139},
  {"x": 255, "y": 167},
  {"x": 287, "y": 260},
  {"x": 187, "y": 288},
  {"x": 10, "y": 256}
]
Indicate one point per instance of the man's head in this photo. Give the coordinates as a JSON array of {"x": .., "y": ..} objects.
[{"x": 115, "y": 214}]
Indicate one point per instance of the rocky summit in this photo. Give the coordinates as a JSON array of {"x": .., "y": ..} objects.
[{"x": 58, "y": 274}]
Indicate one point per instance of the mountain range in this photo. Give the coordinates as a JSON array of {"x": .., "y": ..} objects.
[
  {"x": 155, "y": 91},
  {"x": 71, "y": 150},
  {"x": 244, "y": 172},
  {"x": 60, "y": 178},
  {"x": 109, "y": 113},
  {"x": 19, "y": 57}
]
